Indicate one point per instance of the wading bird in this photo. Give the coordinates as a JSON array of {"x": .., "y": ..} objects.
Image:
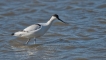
[{"x": 36, "y": 30}]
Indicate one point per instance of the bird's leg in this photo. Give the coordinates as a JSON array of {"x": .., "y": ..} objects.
[
  {"x": 27, "y": 41},
  {"x": 34, "y": 40}
]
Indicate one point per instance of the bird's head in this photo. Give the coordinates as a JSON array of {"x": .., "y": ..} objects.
[{"x": 55, "y": 16}]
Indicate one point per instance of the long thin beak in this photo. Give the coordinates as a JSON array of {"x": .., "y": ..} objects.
[{"x": 62, "y": 21}]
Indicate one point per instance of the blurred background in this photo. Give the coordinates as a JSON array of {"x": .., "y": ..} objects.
[{"x": 83, "y": 39}]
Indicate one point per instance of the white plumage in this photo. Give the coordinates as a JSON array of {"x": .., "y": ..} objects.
[
  {"x": 32, "y": 27},
  {"x": 36, "y": 30}
]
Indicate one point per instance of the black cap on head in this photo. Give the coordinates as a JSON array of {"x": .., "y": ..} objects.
[
  {"x": 56, "y": 16},
  {"x": 59, "y": 18}
]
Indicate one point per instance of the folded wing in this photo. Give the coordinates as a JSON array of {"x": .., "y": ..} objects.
[{"x": 32, "y": 27}]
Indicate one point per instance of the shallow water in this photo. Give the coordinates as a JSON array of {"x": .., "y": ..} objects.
[{"x": 83, "y": 39}]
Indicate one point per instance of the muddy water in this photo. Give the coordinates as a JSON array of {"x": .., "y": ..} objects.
[{"x": 83, "y": 39}]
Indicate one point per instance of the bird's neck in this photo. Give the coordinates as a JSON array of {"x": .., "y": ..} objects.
[{"x": 50, "y": 21}]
